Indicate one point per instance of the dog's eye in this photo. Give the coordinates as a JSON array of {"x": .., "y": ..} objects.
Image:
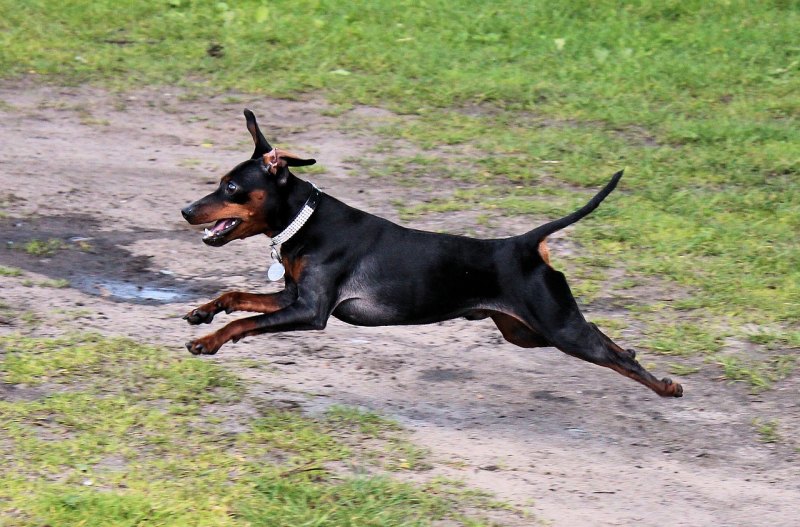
[{"x": 231, "y": 187}]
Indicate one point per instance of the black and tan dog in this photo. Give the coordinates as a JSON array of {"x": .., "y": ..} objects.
[{"x": 368, "y": 271}]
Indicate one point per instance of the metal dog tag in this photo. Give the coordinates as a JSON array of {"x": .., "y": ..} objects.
[{"x": 275, "y": 272}]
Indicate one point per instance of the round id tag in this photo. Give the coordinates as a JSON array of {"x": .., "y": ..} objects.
[{"x": 275, "y": 272}]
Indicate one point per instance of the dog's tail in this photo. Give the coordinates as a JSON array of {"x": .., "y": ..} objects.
[{"x": 538, "y": 234}]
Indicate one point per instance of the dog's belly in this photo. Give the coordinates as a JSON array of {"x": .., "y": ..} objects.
[{"x": 367, "y": 312}]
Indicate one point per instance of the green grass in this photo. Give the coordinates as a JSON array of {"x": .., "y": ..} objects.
[
  {"x": 59, "y": 283},
  {"x": 43, "y": 247},
  {"x": 683, "y": 339},
  {"x": 110, "y": 432},
  {"x": 521, "y": 107},
  {"x": 767, "y": 430},
  {"x": 683, "y": 370},
  {"x": 10, "y": 271},
  {"x": 760, "y": 373},
  {"x": 366, "y": 422}
]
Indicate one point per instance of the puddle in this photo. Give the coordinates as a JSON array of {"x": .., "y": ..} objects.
[
  {"x": 130, "y": 292},
  {"x": 97, "y": 262}
]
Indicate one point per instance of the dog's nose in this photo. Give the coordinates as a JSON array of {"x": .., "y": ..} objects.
[{"x": 187, "y": 212}]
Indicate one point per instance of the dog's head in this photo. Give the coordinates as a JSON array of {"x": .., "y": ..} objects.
[{"x": 249, "y": 199}]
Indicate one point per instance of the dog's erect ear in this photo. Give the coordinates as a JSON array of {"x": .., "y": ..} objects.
[
  {"x": 262, "y": 146},
  {"x": 293, "y": 160},
  {"x": 277, "y": 161}
]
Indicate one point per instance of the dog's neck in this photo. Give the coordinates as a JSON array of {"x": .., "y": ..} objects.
[
  {"x": 299, "y": 220},
  {"x": 297, "y": 195}
]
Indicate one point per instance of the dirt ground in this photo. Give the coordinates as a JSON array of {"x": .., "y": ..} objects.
[{"x": 106, "y": 175}]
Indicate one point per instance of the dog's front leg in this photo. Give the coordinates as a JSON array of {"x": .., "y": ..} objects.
[
  {"x": 236, "y": 301},
  {"x": 298, "y": 316}
]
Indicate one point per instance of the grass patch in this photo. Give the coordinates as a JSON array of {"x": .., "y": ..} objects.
[
  {"x": 682, "y": 369},
  {"x": 767, "y": 430},
  {"x": 366, "y": 422},
  {"x": 758, "y": 374},
  {"x": 395, "y": 452},
  {"x": 10, "y": 271},
  {"x": 30, "y": 318},
  {"x": 774, "y": 338},
  {"x": 43, "y": 247},
  {"x": 683, "y": 338},
  {"x": 59, "y": 283},
  {"x": 112, "y": 432}
]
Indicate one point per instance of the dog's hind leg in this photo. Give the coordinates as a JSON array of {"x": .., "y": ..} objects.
[
  {"x": 556, "y": 316},
  {"x": 517, "y": 332},
  {"x": 592, "y": 347},
  {"x": 630, "y": 352}
]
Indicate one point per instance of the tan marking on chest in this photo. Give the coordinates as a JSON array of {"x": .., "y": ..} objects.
[{"x": 295, "y": 268}]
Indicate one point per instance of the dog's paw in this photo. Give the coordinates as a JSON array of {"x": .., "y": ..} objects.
[
  {"x": 201, "y": 347},
  {"x": 673, "y": 389},
  {"x": 198, "y": 316}
]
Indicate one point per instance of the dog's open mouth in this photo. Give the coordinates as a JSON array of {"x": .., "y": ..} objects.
[{"x": 220, "y": 230}]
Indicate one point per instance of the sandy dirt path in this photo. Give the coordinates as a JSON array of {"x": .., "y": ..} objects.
[{"x": 106, "y": 174}]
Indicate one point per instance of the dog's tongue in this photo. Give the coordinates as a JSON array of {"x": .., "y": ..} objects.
[{"x": 221, "y": 225}]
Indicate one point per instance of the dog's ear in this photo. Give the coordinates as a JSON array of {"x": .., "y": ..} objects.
[
  {"x": 277, "y": 163},
  {"x": 293, "y": 160},
  {"x": 262, "y": 146}
]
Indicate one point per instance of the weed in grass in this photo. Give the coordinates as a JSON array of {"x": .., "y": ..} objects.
[
  {"x": 759, "y": 374},
  {"x": 767, "y": 430},
  {"x": 56, "y": 284},
  {"x": 87, "y": 119},
  {"x": 43, "y": 247},
  {"x": 59, "y": 283},
  {"x": 682, "y": 369},
  {"x": 404, "y": 455},
  {"x": 10, "y": 271},
  {"x": 774, "y": 338},
  {"x": 682, "y": 338},
  {"x": 366, "y": 422},
  {"x": 380, "y": 502},
  {"x": 609, "y": 324},
  {"x": 85, "y": 246},
  {"x": 30, "y": 318},
  {"x": 246, "y": 362},
  {"x": 190, "y": 162},
  {"x": 629, "y": 283},
  {"x": 73, "y": 314},
  {"x": 336, "y": 110}
]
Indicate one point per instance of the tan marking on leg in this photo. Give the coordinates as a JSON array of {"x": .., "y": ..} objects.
[
  {"x": 257, "y": 303},
  {"x": 662, "y": 387},
  {"x": 544, "y": 251}
]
